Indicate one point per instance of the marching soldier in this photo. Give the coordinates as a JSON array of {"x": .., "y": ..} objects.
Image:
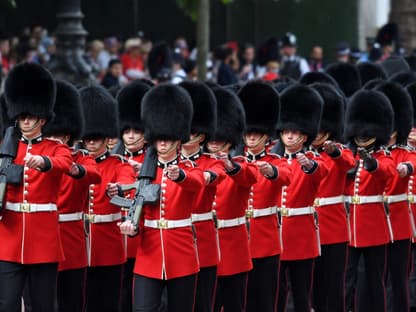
[
  {"x": 166, "y": 254},
  {"x": 402, "y": 221},
  {"x": 132, "y": 147},
  {"x": 261, "y": 103},
  {"x": 231, "y": 203},
  {"x": 300, "y": 114},
  {"x": 106, "y": 254},
  {"x": 66, "y": 127},
  {"x": 329, "y": 274},
  {"x": 369, "y": 121},
  {"x": 30, "y": 247},
  {"x": 203, "y": 126}
]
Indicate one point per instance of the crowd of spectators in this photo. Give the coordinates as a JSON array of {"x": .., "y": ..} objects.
[{"x": 115, "y": 61}]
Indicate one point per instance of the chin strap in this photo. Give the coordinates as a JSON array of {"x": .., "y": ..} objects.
[
  {"x": 298, "y": 140},
  {"x": 364, "y": 142},
  {"x": 171, "y": 148}
]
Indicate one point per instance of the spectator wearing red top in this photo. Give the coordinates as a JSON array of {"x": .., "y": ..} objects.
[{"x": 132, "y": 60}]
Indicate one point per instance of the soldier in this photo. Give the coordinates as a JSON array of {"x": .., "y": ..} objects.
[
  {"x": 133, "y": 148},
  {"x": 30, "y": 246},
  {"x": 230, "y": 204},
  {"x": 329, "y": 275},
  {"x": 106, "y": 254},
  {"x": 66, "y": 127},
  {"x": 203, "y": 127},
  {"x": 261, "y": 103},
  {"x": 347, "y": 76},
  {"x": 166, "y": 254},
  {"x": 402, "y": 221},
  {"x": 369, "y": 121},
  {"x": 300, "y": 113}
]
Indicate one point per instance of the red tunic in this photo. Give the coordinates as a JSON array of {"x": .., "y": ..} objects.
[
  {"x": 264, "y": 231},
  {"x": 299, "y": 232},
  {"x": 333, "y": 225},
  {"x": 105, "y": 240},
  {"x": 368, "y": 221},
  {"x": 399, "y": 211},
  {"x": 33, "y": 237},
  {"x": 73, "y": 198},
  {"x": 231, "y": 202},
  {"x": 170, "y": 253},
  {"x": 206, "y": 232},
  {"x": 132, "y": 242}
]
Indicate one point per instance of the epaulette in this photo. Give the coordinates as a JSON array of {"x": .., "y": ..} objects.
[
  {"x": 188, "y": 163},
  {"x": 119, "y": 157},
  {"x": 239, "y": 158}
]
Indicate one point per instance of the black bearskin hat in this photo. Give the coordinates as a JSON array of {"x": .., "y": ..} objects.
[
  {"x": 100, "y": 111},
  {"x": 313, "y": 77},
  {"x": 332, "y": 119},
  {"x": 69, "y": 118},
  {"x": 347, "y": 76},
  {"x": 411, "y": 89},
  {"x": 167, "y": 113},
  {"x": 388, "y": 34},
  {"x": 404, "y": 78},
  {"x": 300, "y": 109},
  {"x": 261, "y": 104},
  {"x": 30, "y": 89},
  {"x": 129, "y": 101},
  {"x": 231, "y": 117},
  {"x": 369, "y": 114},
  {"x": 371, "y": 84},
  {"x": 160, "y": 61},
  {"x": 268, "y": 51},
  {"x": 5, "y": 120},
  {"x": 369, "y": 71},
  {"x": 204, "y": 120},
  {"x": 402, "y": 107}
]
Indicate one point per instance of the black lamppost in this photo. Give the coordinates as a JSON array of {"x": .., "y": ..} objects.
[{"x": 69, "y": 62}]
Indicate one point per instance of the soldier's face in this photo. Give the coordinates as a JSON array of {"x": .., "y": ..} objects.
[
  {"x": 96, "y": 146},
  {"x": 133, "y": 139},
  {"x": 255, "y": 141},
  {"x": 30, "y": 126},
  {"x": 167, "y": 148},
  {"x": 293, "y": 139},
  {"x": 218, "y": 146}
]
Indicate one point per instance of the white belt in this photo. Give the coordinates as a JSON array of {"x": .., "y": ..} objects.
[
  {"x": 95, "y": 218},
  {"x": 324, "y": 201},
  {"x": 261, "y": 212},
  {"x": 167, "y": 224},
  {"x": 225, "y": 223},
  {"x": 396, "y": 198},
  {"x": 356, "y": 200},
  {"x": 291, "y": 212},
  {"x": 26, "y": 207},
  {"x": 197, "y": 217},
  {"x": 66, "y": 217}
]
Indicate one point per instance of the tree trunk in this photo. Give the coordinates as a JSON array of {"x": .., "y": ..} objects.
[
  {"x": 202, "y": 38},
  {"x": 403, "y": 12}
]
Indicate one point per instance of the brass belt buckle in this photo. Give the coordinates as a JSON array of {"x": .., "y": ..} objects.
[
  {"x": 91, "y": 218},
  {"x": 249, "y": 213},
  {"x": 411, "y": 199},
  {"x": 316, "y": 202},
  {"x": 25, "y": 207},
  {"x": 284, "y": 212},
  {"x": 355, "y": 199},
  {"x": 162, "y": 224}
]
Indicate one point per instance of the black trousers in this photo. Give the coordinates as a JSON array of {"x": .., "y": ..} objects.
[
  {"x": 398, "y": 260},
  {"x": 148, "y": 293},
  {"x": 329, "y": 278},
  {"x": 412, "y": 279},
  {"x": 127, "y": 286},
  {"x": 104, "y": 288},
  {"x": 300, "y": 274},
  {"x": 375, "y": 262},
  {"x": 71, "y": 290},
  {"x": 205, "y": 289},
  {"x": 40, "y": 280},
  {"x": 262, "y": 284},
  {"x": 231, "y": 293}
]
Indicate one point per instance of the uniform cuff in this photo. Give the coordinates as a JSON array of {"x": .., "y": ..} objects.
[
  {"x": 235, "y": 170},
  {"x": 48, "y": 164},
  {"x": 312, "y": 170}
]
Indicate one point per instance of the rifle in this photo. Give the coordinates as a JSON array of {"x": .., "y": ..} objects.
[
  {"x": 145, "y": 192},
  {"x": 9, "y": 172}
]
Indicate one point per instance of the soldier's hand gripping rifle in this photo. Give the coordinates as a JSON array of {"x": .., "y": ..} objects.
[
  {"x": 145, "y": 192},
  {"x": 9, "y": 173}
]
